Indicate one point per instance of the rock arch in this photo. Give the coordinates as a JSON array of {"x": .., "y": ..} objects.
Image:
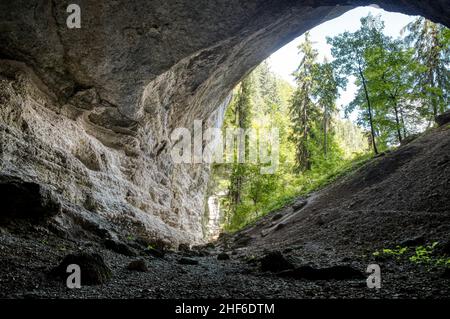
[{"x": 134, "y": 71}]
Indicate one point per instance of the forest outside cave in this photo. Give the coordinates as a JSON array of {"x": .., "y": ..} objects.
[{"x": 337, "y": 109}]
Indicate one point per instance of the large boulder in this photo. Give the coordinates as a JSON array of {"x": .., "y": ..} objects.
[
  {"x": 25, "y": 200},
  {"x": 119, "y": 247},
  {"x": 138, "y": 265},
  {"x": 93, "y": 268},
  {"x": 275, "y": 261}
]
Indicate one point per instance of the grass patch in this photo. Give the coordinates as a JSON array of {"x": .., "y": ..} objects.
[
  {"x": 423, "y": 255},
  {"x": 302, "y": 185}
]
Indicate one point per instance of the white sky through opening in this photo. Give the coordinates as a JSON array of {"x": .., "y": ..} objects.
[{"x": 284, "y": 61}]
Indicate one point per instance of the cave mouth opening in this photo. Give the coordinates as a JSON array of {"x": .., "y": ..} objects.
[
  {"x": 88, "y": 112},
  {"x": 279, "y": 75},
  {"x": 92, "y": 182}
]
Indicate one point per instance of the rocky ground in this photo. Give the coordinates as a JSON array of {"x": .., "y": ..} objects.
[
  {"x": 26, "y": 265},
  {"x": 317, "y": 247}
]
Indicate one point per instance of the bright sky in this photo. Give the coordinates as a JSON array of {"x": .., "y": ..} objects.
[{"x": 285, "y": 61}]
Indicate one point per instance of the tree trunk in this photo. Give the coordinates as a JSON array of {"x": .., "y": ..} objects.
[
  {"x": 397, "y": 122},
  {"x": 402, "y": 118},
  {"x": 237, "y": 178},
  {"x": 372, "y": 130},
  {"x": 433, "y": 68},
  {"x": 325, "y": 119},
  {"x": 305, "y": 155},
  {"x": 433, "y": 98}
]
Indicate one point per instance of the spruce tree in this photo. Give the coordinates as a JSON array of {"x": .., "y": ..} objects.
[{"x": 302, "y": 109}]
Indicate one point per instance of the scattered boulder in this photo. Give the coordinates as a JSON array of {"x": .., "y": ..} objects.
[
  {"x": 242, "y": 241},
  {"x": 265, "y": 232},
  {"x": 223, "y": 256},
  {"x": 210, "y": 246},
  {"x": 299, "y": 204},
  {"x": 224, "y": 237},
  {"x": 200, "y": 253},
  {"x": 26, "y": 200},
  {"x": 138, "y": 265},
  {"x": 272, "y": 228},
  {"x": 119, "y": 247},
  {"x": 187, "y": 261},
  {"x": 443, "y": 248},
  {"x": 196, "y": 251},
  {"x": 93, "y": 269},
  {"x": 154, "y": 252},
  {"x": 340, "y": 272},
  {"x": 443, "y": 118},
  {"x": 156, "y": 248},
  {"x": 203, "y": 250},
  {"x": 414, "y": 241},
  {"x": 142, "y": 242},
  {"x": 275, "y": 262},
  {"x": 277, "y": 216},
  {"x": 184, "y": 248}
]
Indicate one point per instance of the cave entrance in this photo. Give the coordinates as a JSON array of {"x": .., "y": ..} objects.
[
  {"x": 353, "y": 110},
  {"x": 102, "y": 100}
]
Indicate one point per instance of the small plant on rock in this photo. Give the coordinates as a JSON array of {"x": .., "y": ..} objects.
[
  {"x": 387, "y": 252},
  {"x": 423, "y": 254}
]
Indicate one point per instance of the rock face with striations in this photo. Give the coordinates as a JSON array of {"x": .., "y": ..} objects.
[{"x": 87, "y": 114}]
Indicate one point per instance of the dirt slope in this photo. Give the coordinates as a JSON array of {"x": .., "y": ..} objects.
[{"x": 402, "y": 195}]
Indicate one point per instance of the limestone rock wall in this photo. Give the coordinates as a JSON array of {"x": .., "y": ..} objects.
[
  {"x": 87, "y": 113},
  {"x": 142, "y": 192}
]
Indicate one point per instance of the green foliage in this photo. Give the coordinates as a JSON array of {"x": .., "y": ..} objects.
[
  {"x": 390, "y": 74},
  {"x": 402, "y": 83},
  {"x": 349, "y": 51},
  {"x": 443, "y": 262},
  {"x": 386, "y": 252},
  {"x": 242, "y": 110},
  {"x": 290, "y": 186},
  {"x": 423, "y": 254},
  {"x": 270, "y": 102},
  {"x": 303, "y": 111},
  {"x": 431, "y": 44}
]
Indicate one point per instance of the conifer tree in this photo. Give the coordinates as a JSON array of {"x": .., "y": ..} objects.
[{"x": 303, "y": 111}]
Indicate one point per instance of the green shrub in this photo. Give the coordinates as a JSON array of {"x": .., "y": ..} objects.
[{"x": 423, "y": 254}]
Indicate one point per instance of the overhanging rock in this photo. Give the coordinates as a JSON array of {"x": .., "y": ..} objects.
[{"x": 87, "y": 113}]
